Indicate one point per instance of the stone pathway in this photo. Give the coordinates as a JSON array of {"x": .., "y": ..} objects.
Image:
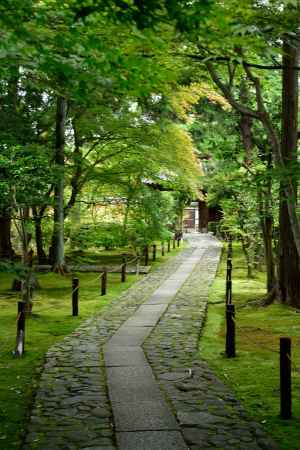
[
  {"x": 192, "y": 409},
  {"x": 71, "y": 410},
  {"x": 143, "y": 420},
  {"x": 206, "y": 410}
]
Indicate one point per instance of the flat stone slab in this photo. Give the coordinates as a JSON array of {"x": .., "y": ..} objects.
[
  {"x": 151, "y": 440},
  {"x": 124, "y": 356},
  {"x": 139, "y": 416},
  {"x": 132, "y": 384},
  {"x": 130, "y": 336},
  {"x": 142, "y": 321}
]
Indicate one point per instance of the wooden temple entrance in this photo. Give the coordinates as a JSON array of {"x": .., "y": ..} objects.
[{"x": 197, "y": 216}]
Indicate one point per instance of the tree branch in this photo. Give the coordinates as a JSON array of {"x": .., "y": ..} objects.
[{"x": 227, "y": 94}]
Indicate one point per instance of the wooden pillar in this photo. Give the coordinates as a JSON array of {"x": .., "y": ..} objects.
[{"x": 203, "y": 216}]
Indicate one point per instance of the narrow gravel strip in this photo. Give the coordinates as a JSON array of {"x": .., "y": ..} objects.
[
  {"x": 71, "y": 409},
  {"x": 208, "y": 414}
]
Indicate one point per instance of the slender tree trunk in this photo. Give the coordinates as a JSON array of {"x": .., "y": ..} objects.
[
  {"x": 266, "y": 222},
  {"x": 42, "y": 258},
  {"x": 6, "y": 250},
  {"x": 58, "y": 227},
  {"x": 289, "y": 272},
  {"x": 245, "y": 248},
  {"x": 245, "y": 125}
]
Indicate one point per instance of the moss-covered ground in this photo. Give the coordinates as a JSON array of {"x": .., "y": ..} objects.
[
  {"x": 50, "y": 322},
  {"x": 254, "y": 373}
]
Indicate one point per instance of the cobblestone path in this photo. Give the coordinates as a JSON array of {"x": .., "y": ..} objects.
[
  {"x": 208, "y": 414},
  {"x": 72, "y": 410}
]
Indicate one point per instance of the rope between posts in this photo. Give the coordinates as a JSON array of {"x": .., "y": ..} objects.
[
  {"x": 89, "y": 282},
  {"x": 128, "y": 262}
]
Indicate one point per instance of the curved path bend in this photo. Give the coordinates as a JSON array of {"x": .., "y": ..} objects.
[{"x": 131, "y": 379}]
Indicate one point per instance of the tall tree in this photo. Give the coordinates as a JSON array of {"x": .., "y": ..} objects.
[
  {"x": 59, "y": 158},
  {"x": 289, "y": 258}
]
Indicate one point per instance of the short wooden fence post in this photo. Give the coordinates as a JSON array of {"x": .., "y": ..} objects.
[
  {"x": 154, "y": 252},
  {"x": 75, "y": 296},
  {"x": 230, "y": 331},
  {"x": 285, "y": 378},
  {"x": 20, "y": 341},
  {"x": 123, "y": 271},
  {"x": 229, "y": 282},
  {"x": 104, "y": 282}
]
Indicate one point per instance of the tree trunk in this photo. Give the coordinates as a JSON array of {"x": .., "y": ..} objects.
[
  {"x": 245, "y": 125},
  {"x": 6, "y": 250},
  {"x": 245, "y": 248},
  {"x": 289, "y": 271},
  {"x": 264, "y": 200},
  {"x": 58, "y": 226},
  {"x": 41, "y": 255}
]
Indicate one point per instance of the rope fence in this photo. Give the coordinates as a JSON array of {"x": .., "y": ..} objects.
[
  {"x": 286, "y": 363},
  {"x": 102, "y": 279}
]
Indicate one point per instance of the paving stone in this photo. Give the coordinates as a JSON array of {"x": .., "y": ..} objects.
[
  {"x": 201, "y": 419},
  {"x": 131, "y": 384},
  {"x": 130, "y": 336},
  {"x": 143, "y": 415},
  {"x": 125, "y": 356},
  {"x": 151, "y": 440}
]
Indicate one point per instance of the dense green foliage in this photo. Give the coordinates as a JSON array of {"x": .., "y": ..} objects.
[{"x": 116, "y": 114}]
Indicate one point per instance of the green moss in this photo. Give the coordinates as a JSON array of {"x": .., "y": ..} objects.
[{"x": 254, "y": 373}]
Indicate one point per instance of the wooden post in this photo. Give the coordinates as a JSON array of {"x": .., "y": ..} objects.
[
  {"x": 146, "y": 251},
  {"x": 229, "y": 282},
  {"x": 123, "y": 271},
  {"x": 75, "y": 295},
  {"x": 20, "y": 341},
  {"x": 230, "y": 331},
  {"x": 162, "y": 249},
  {"x": 169, "y": 246},
  {"x": 229, "y": 273},
  {"x": 104, "y": 282},
  {"x": 154, "y": 252},
  {"x": 285, "y": 378}
]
